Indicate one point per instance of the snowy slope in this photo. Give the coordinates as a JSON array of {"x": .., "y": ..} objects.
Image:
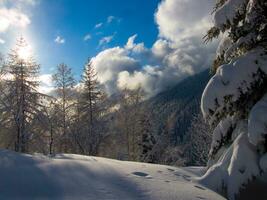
[{"x": 77, "y": 177}]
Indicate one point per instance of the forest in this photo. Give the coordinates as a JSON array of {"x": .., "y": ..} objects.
[
  {"x": 80, "y": 118},
  {"x": 178, "y": 116}
]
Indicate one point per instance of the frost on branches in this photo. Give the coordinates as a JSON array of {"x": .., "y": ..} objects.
[{"x": 234, "y": 101}]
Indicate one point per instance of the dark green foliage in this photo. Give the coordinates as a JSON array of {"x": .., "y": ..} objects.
[{"x": 177, "y": 106}]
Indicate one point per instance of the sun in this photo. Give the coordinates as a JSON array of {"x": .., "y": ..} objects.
[{"x": 24, "y": 52}]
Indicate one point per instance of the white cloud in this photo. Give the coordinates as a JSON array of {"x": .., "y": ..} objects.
[
  {"x": 2, "y": 41},
  {"x": 178, "y": 19},
  {"x": 178, "y": 52},
  {"x": 106, "y": 40},
  {"x": 87, "y": 37},
  {"x": 98, "y": 25},
  {"x": 134, "y": 80},
  {"x": 109, "y": 63},
  {"x": 131, "y": 45},
  {"x": 110, "y": 19},
  {"x": 14, "y": 14},
  {"x": 155, "y": 69},
  {"x": 12, "y": 17},
  {"x": 46, "y": 85},
  {"x": 59, "y": 40}
]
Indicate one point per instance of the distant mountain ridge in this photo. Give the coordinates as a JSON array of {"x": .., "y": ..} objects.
[{"x": 173, "y": 109}]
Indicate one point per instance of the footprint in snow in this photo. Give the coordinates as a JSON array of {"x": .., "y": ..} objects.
[
  {"x": 187, "y": 178},
  {"x": 199, "y": 187},
  {"x": 141, "y": 174},
  {"x": 171, "y": 170},
  {"x": 199, "y": 197}
]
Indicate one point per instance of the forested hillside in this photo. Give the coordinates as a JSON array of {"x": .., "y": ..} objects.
[
  {"x": 174, "y": 109},
  {"x": 174, "y": 114}
]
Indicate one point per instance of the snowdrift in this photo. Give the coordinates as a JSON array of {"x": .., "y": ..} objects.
[{"x": 82, "y": 177}]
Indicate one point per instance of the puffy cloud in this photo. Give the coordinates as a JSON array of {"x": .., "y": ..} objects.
[
  {"x": 59, "y": 40},
  {"x": 109, "y": 63},
  {"x": 13, "y": 14},
  {"x": 46, "y": 85},
  {"x": 144, "y": 79},
  {"x": 131, "y": 45},
  {"x": 12, "y": 18},
  {"x": 178, "y": 52},
  {"x": 155, "y": 69},
  {"x": 178, "y": 19}
]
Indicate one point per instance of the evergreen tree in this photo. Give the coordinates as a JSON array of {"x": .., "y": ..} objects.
[
  {"x": 199, "y": 139},
  {"x": 147, "y": 140},
  {"x": 234, "y": 101}
]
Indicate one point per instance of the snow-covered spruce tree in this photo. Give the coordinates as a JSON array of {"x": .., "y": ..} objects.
[
  {"x": 198, "y": 142},
  {"x": 234, "y": 101},
  {"x": 20, "y": 97},
  {"x": 147, "y": 140}
]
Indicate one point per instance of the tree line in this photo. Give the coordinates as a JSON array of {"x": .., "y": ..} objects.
[
  {"x": 79, "y": 117},
  {"x": 73, "y": 119}
]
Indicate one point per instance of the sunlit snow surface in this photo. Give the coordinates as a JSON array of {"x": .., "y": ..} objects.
[{"x": 91, "y": 178}]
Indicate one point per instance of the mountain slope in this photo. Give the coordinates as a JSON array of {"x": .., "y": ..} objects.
[
  {"x": 82, "y": 177},
  {"x": 173, "y": 109}
]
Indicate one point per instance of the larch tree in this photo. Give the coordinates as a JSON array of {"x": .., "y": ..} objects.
[
  {"x": 51, "y": 121},
  {"x": 91, "y": 98},
  {"x": 234, "y": 101},
  {"x": 20, "y": 97},
  {"x": 64, "y": 83},
  {"x": 131, "y": 122}
]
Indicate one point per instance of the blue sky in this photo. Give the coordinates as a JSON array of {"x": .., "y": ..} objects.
[
  {"x": 72, "y": 20},
  {"x": 149, "y": 43}
]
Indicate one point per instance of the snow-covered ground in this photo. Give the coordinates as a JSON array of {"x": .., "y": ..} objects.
[{"x": 78, "y": 177}]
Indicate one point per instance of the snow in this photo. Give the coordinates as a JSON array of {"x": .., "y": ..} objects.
[
  {"x": 228, "y": 12},
  {"x": 225, "y": 43},
  {"x": 233, "y": 171},
  {"x": 263, "y": 162},
  {"x": 71, "y": 177},
  {"x": 240, "y": 170},
  {"x": 257, "y": 123},
  {"x": 242, "y": 41},
  {"x": 221, "y": 131},
  {"x": 231, "y": 79},
  {"x": 238, "y": 158}
]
